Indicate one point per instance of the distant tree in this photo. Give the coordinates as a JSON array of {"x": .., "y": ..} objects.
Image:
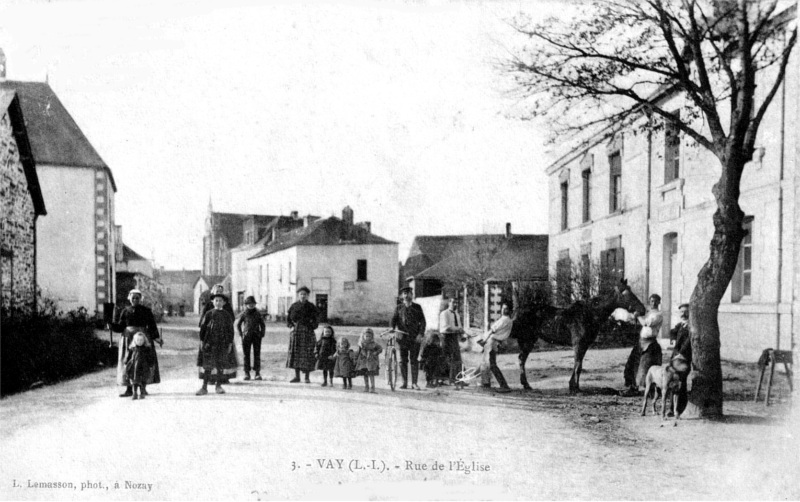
[
  {"x": 620, "y": 59},
  {"x": 474, "y": 262}
]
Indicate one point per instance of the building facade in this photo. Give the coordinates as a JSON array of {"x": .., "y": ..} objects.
[
  {"x": 76, "y": 240},
  {"x": 225, "y": 232},
  {"x": 640, "y": 205},
  {"x": 178, "y": 288},
  {"x": 351, "y": 272},
  {"x": 22, "y": 203}
]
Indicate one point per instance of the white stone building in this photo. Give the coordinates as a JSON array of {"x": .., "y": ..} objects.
[
  {"x": 352, "y": 273},
  {"x": 75, "y": 242},
  {"x": 641, "y": 205}
]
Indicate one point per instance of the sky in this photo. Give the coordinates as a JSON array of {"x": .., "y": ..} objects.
[{"x": 394, "y": 108}]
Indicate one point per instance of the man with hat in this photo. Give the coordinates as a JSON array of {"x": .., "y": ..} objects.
[
  {"x": 251, "y": 336},
  {"x": 409, "y": 318}
]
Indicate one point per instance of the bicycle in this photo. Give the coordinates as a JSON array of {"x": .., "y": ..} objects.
[{"x": 390, "y": 359}]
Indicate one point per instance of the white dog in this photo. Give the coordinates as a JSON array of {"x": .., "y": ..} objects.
[{"x": 663, "y": 380}]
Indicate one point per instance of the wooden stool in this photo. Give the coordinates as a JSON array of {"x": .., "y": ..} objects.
[{"x": 769, "y": 358}]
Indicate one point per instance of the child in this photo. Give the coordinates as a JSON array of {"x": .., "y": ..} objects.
[
  {"x": 216, "y": 339},
  {"x": 367, "y": 362},
  {"x": 251, "y": 336},
  {"x": 323, "y": 350},
  {"x": 137, "y": 364},
  {"x": 432, "y": 358},
  {"x": 343, "y": 365}
]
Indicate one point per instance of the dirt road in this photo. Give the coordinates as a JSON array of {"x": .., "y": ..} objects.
[{"x": 272, "y": 439}]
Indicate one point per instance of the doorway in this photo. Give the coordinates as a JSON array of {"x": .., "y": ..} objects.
[
  {"x": 322, "y": 305},
  {"x": 670, "y": 277}
]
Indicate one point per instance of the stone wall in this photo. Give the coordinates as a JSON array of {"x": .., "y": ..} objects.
[{"x": 17, "y": 225}]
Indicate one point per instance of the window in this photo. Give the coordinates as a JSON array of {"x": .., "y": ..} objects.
[
  {"x": 672, "y": 151},
  {"x": 615, "y": 185},
  {"x": 564, "y": 278},
  {"x": 564, "y": 205},
  {"x": 361, "y": 270},
  {"x": 587, "y": 195},
  {"x": 585, "y": 277},
  {"x": 612, "y": 263},
  {"x": 742, "y": 283}
]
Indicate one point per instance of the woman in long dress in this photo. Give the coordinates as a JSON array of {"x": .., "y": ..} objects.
[
  {"x": 133, "y": 319},
  {"x": 231, "y": 362},
  {"x": 303, "y": 319}
]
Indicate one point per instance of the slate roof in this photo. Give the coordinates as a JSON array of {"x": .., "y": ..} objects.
[
  {"x": 54, "y": 135},
  {"x": 10, "y": 101},
  {"x": 178, "y": 276},
  {"x": 129, "y": 254},
  {"x": 327, "y": 232},
  {"x": 211, "y": 280},
  {"x": 519, "y": 256}
]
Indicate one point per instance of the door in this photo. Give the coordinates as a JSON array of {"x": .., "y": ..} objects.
[
  {"x": 322, "y": 305},
  {"x": 669, "y": 279}
]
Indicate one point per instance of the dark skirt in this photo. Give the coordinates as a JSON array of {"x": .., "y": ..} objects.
[
  {"x": 651, "y": 356},
  {"x": 452, "y": 351},
  {"x": 301, "y": 349},
  {"x": 229, "y": 365},
  {"x": 154, "y": 375}
]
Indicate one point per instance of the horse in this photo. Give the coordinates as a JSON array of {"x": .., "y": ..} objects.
[{"x": 576, "y": 325}]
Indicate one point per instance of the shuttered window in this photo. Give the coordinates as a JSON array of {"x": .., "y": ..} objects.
[
  {"x": 615, "y": 182},
  {"x": 672, "y": 152}
]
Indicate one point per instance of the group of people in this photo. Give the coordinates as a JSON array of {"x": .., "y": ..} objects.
[
  {"x": 438, "y": 353},
  {"x": 647, "y": 352}
]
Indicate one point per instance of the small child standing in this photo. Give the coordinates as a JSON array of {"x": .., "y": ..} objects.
[
  {"x": 367, "y": 362},
  {"x": 323, "y": 350},
  {"x": 433, "y": 362},
  {"x": 343, "y": 363},
  {"x": 137, "y": 364}
]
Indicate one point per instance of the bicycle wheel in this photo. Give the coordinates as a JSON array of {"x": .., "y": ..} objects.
[{"x": 391, "y": 368}]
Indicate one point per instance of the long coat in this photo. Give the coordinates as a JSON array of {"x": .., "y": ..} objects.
[
  {"x": 303, "y": 319},
  {"x": 216, "y": 346},
  {"x": 344, "y": 363},
  {"x": 132, "y": 320},
  {"x": 231, "y": 362},
  {"x": 324, "y": 349},
  {"x": 367, "y": 361}
]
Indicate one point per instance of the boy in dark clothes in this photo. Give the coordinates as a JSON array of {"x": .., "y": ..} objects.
[
  {"x": 433, "y": 361},
  {"x": 216, "y": 337},
  {"x": 251, "y": 336}
]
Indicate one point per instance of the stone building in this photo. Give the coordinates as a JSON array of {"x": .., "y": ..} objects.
[
  {"x": 437, "y": 264},
  {"x": 226, "y": 231},
  {"x": 178, "y": 287},
  {"x": 134, "y": 271},
  {"x": 75, "y": 242},
  {"x": 640, "y": 205},
  {"x": 22, "y": 204},
  {"x": 351, "y": 272}
]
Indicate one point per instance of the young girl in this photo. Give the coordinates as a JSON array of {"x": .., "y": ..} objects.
[
  {"x": 343, "y": 365},
  {"x": 137, "y": 364},
  {"x": 323, "y": 350},
  {"x": 432, "y": 358},
  {"x": 367, "y": 363}
]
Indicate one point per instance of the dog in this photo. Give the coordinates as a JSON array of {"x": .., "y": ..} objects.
[{"x": 666, "y": 381}]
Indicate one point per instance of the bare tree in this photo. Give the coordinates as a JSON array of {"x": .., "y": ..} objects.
[
  {"x": 622, "y": 58},
  {"x": 474, "y": 262}
]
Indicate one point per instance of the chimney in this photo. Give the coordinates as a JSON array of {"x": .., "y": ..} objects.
[
  {"x": 347, "y": 216},
  {"x": 294, "y": 215},
  {"x": 2, "y": 65},
  {"x": 508, "y": 230}
]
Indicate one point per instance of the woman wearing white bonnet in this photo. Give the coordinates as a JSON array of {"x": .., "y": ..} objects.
[{"x": 133, "y": 319}]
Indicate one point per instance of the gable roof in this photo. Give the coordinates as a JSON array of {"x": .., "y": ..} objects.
[
  {"x": 129, "y": 254},
  {"x": 518, "y": 257},
  {"x": 328, "y": 232},
  {"x": 178, "y": 276},
  {"x": 10, "y": 101},
  {"x": 210, "y": 280},
  {"x": 54, "y": 135}
]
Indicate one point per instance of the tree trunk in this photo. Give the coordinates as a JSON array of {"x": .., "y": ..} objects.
[{"x": 712, "y": 282}]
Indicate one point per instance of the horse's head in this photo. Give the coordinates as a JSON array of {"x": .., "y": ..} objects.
[{"x": 620, "y": 297}]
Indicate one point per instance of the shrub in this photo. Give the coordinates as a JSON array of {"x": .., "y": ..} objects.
[{"x": 48, "y": 348}]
